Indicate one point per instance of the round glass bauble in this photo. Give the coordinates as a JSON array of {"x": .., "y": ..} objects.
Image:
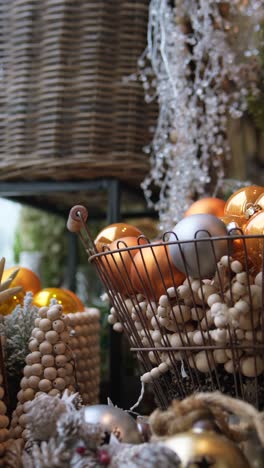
[
  {"x": 206, "y": 449},
  {"x": 237, "y": 204},
  {"x": 153, "y": 271},
  {"x": 198, "y": 256},
  {"x": 113, "y": 420},
  {"x": 25, "y": 278},
  {"x": 209, "y": 205},
  {"x": 45, "y": 296},
  {"x": 255, "y": 245},
  {"x": 114, "y": 232},
  {"x": 117, "y": 263}
]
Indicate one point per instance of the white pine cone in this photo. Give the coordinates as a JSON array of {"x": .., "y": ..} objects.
[
  {"x": 44, "y": 413},
  {"x": 146, "y": 455}
]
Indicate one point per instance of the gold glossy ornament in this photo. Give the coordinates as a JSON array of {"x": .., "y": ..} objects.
[
  {"x": 43, "y": 298},
  {"x": 78, "y": 301},
  {"x": 114, "y": 232},
  {"x": 209, "y": 205},
  {"x": 255, "y": 246},
  {"x": 239, "y": 201},
  {"x": 117, "y": 264},
  {"x": 152, "y": 271},
  {"x": 10, "y": 304},
  {"x": 25, "y": 278},
  {"x": 113, "y": 420},
  {"x": 206, "y": 449}
]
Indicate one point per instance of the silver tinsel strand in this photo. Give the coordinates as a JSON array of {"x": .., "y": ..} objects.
[{"x": 201, "y": 63}]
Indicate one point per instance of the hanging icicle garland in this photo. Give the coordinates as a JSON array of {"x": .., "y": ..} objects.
[{"x": 201, "y": 63}]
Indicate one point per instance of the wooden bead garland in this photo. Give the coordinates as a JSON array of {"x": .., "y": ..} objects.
[
  {"x": 47, "y": 358},
  {"x": 4, "y": 423},
  {"x": 199, "y": 313},
  {"x": 84, "y": 342}
]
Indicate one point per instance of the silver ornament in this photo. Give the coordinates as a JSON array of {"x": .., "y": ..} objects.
[
  {"x": 114, "y": 420},
  {"x": 198, "y": 259}
]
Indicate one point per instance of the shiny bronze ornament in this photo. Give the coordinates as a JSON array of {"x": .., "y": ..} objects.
[{"x": 206, "y": 449}]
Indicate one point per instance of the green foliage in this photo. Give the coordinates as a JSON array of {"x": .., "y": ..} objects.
[
  {"x": 17, "y": 328},
  {"x": 46, "y": 233}
]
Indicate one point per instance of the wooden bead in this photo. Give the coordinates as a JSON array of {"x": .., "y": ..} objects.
[
  {"x": 220, "y": 356},
  {"x": 50, "y": 373},
  {"x": 252, "y": 366},
  {"x": 33, "y": 345},
  {"x": 58, "y": 326},
  {"x": 59, "y": 383},
  {"x": 27, "y": 371},
  {"x": 60, "y": 360},
  {"x": 236, "y": 266},
  {"x": 68, "y": 368},
  {"x": 43, "y": 312},
  {"x": 36, "y": 322},
  {"x": 45, "y": 347},
  {"x": 52, "y": 337},
  {"x": 229, "y": 367},
  {"x": 54, "y": 392},
  {"x": 4, "y": 422},
  {"x": 45, "y": 385},
  {"x": 146, "y": 378},
  {"x": 48, "y": 360},
  {"x": 36, "y": 369},
  {"x": 54, "y": 312},
  {"x": 59, "y": 348},
  {"x": 2, "y": 393},
  {"x": 45, "y": 325},
  {"x": 61, "y": 372},
  {"x": 40, "y": 336},
  {"x": 33, "y": 358},
  {"x": 155, "y": 373},
  {"x": 204, "y": 361},
  {"x": 24, "y": 420},
  {"x": 29, "y": 394},
  {"x": 33, "y": 382},
  {"x": 65, "y": 337},
  {"x": 24, "y": 383},
  {"x": 3, "y": 408}
]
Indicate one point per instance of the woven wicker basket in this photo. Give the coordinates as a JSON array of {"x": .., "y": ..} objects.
[{"x": 68, "y": 109}]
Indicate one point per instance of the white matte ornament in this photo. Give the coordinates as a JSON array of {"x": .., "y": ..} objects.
[{"x": 198, "y": 260}]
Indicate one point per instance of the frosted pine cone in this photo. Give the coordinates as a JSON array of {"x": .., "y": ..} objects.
[
  {"x": 146, "y": 456},
  {"x": 44, "y": 413}
]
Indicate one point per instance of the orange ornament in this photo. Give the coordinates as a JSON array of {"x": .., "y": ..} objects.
[
  {"x": 25, "y": 278},
  {"x": 255, "y": 246},
  {"x": 114, "y": 232},
  {"x": 116, "y": 266},
  {"x": 238, "y": 203},
  {"x": 78, "y": 301},
  {"x": 62, "y": 296},
  {"x": 260, "y": 201},
  {"x": 8, "y": 306},
  {"x": 152, "y": 271},
  {"x": 209, "y": 205}
]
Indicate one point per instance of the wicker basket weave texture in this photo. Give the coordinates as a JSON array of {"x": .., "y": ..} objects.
[{"x": 67, "y": 106}]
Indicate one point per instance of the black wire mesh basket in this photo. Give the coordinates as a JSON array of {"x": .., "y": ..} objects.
[{"x": 195, "y": 330}]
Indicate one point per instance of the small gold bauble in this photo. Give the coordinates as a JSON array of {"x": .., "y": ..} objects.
[
  {"x": 206, "y": 449},
  {"x": 69, "y": 301}
]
